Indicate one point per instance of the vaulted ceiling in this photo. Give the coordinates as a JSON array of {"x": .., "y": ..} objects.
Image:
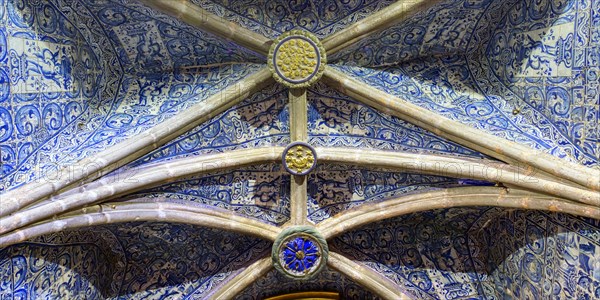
[{"x": 456, "y": 141}]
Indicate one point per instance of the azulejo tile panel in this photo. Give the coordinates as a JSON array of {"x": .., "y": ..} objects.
[
  {"x": 149, "y": 41},
  {"x": 335, "y": 120},
  {"x": 538, "y": 255},
  {"x": 272, "y": 18},
  {"x": 427, "y": 254},
  {"x": 541, "y": 57},
  {"x": 452, "y": 87},
  {"x": 50, "y": 63},
  {"x": 482, "y": 253},
  {"x": 444, "y": 28},
  {"x": 128, "y": 261},
  {"x": 260, "y": 121},
  {"x": 274, "y": 283},
  {"x": 47, "y": 272},
  {"x": 332, "y": 189},
  {"x": 260, "y": 191},
  {"x": 64, "y": 95}
]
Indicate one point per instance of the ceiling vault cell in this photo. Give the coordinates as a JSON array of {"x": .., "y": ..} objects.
[
  {"x": 131, "y": 149},
  {"x": 493, "y": 146},
  {"x": 453, "y": 197},
  {"x": 194, "y": 15}
]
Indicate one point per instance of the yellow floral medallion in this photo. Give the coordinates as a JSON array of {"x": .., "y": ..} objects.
[
  {"x": 299, "y": 158},
  {"x": 297, "y": 59}
]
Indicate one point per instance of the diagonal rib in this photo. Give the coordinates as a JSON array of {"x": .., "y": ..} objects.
[{"x": 194, "y": 15}]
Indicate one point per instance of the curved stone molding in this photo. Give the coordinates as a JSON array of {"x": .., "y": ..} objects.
[
  {"x": 112, "y": 213},
  {"x": 297, "y": 59},
  {"x": 300, "y": 252},
  {"x": 453, "y": 197},
  {"x": 299, "y": 158}
]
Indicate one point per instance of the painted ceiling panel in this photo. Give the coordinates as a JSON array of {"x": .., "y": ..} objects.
[
  {"x": 271, "y": 18},
  {"x": 260, "y": 191},
  {"x": 443, "y": 29},
  {"x": 332, "y": 189},
  {"x": 454, "y": 88},
  {"x": 148, "y": 41},
  {"x": 184, "y": 261},
  {"x": 427, "y": 254},
  {"x": 336, "y": 120},
  {"x": 273, "y": 284},
  {"x": 483, "y": 253},
  {"x": 259, "y": 121}
]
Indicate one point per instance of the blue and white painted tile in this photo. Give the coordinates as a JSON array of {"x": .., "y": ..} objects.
[
  {"x": 427, "y": 254},
  {"x": 172, "y": 261},
  {"x": 259, "y": 121},
  {"x": 274, "y": 283},
  {"x": 539, "y": 57},
  {"x": 335, "y": 120},
  {"x": 452, "y": 87},
  {"x": 261, "y": 192},
  {"x": 444, "y": 28},
  {"x": 538, "y": 255},
  {"x": 271, "y": 18},
  {"x": 154, "y": 261},
  {"x": 31, "y": 271},
  {"x": 332, "y": 189},
  {"x": 85, "y": 103},
  {"x": 149, "y": 41}
]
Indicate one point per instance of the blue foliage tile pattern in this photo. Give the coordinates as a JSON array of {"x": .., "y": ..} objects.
[
  {"x": 153, "y": 261},
  {"x": 274, "y": 283},
  {"x": 64, "y": 95},
  {"x": 444, "y": 28},
  {"x": 271, "y": 18},
  {"x": 335, "y": 188},
  {"x": 482, "y": 253},
  {"x": 260, "y": 191},
  {"x": 335, "y": 120},
  {"x": 260, "y": 121},
  {"x": 538, "y": 255},
  {"x": 427, "y": 254}
]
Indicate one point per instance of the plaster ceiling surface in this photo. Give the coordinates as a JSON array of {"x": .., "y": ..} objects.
[{"x": 140, "y": 152}]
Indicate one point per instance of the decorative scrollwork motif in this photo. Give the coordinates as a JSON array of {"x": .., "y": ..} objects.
[
  {"x": 297, "y": 59},
  {"x": 300, "y": 252},
  {"x": 299, "y": 158}
]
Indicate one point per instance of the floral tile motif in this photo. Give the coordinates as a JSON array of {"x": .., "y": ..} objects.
[
  {"x": 335, "y": 120},
  {"x": 271, "y": 18},
  {"x": 185, "y": 262},
  {"x": 333, "y": 189},
  {"x": 538, "y": 255},
  {"x": 444, "y": 28},
  {"x": 260, "y": 121},
  {"x": 482, "y": 253},
  {"x": 274, "y": 283},
  {"x": 260, "y": 191}
]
